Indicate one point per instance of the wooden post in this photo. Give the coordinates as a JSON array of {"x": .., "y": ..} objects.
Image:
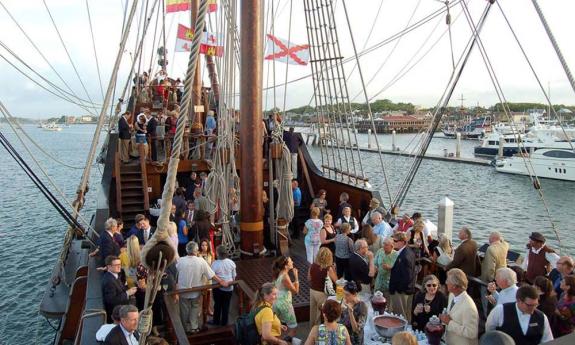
[
  {"x": 369, "y": 139},
  {"x": 458, "y": 145},
  {"x": 445, "y": 217},
  {"x": 251, "y": 177},
  {"x": 393, "y": 140}
]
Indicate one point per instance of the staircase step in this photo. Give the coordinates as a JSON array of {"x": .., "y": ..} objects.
[
  {"x": 132, "y": 178},
  {"x": 133, "y": 193},
  {"x": 132, "y": 185},
  {"x": 133, "y": 209},
  {"x": 132, "y": 203}
]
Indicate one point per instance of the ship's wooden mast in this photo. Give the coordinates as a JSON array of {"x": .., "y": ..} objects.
[{"x": 251, "y": 174}]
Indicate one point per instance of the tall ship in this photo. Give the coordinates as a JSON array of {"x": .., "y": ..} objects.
[{"x": 245, "y": 158}]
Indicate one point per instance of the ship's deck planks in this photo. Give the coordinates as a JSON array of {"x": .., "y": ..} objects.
[{"x": 255, "y": 272}]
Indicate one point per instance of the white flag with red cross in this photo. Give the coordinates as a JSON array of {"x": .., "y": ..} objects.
[{"x": 284, "y": 51}]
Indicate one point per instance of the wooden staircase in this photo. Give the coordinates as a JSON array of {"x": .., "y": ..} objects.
[{"x": 131, "y": 190}]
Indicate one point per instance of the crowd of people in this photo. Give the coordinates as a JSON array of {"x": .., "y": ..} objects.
[
  {"x": 154, "y": 129},
  {"x": 200, "y": 259},
  {"x": 533, "y": 302}
]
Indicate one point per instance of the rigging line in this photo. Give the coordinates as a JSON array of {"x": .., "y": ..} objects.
[
  {"x": 125, "y": 10},
  {"x": 86, "y": 174},
  {"x": 68, "y": 53},
  {"x": 5, "y": 112},
  {"x": 499, "y": 90},
  {"x": 448, "y": 92},
  {"x": 554, "y": 43},
  {"x": 385, "y": 41},
  {"x": 287, "y": 64},
  {"x": 44, "y": 87},
  {"x": 39, "y": 51},
  {"x": 18, "y": 126},
  {"x": 569, "y": 139},
  {"x": 153, "y": 54},
  {"x": 94, "y": 47},
  {"x": 50, "y": 197},
  {"x": 368, "y": 105},
  {"x": 448, "y": 22},
  {"x": 367, "y": 38},
  {"x": 337, "y": 79},
  {"x": 395, "y": 45},
  {"x": 405, "y": 69}
]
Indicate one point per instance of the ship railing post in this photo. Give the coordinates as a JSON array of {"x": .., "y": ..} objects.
[
  {"x": 445, "y": 218},
  {"x": 393, "y": 140}
]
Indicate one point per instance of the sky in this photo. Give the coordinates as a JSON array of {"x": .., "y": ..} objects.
[{"x": 426, "y": 53}]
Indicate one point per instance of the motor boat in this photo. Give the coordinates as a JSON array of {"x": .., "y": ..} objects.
[{"x": 556, "y": 164}]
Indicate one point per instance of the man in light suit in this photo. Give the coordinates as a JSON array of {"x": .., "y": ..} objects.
[
  {"x": 462, "y": 317},
  {"x": 495, "y": 258}
]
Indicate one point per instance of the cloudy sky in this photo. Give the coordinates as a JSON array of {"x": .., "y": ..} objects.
[{"x": 424, "y": 54}]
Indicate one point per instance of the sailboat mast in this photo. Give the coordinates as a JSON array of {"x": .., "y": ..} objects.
[{"x": 251, "y": 177}]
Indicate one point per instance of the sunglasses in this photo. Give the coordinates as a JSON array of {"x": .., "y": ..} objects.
[
  {"x": 394, "y": 240},
  {"x": 431, "y": 285}
]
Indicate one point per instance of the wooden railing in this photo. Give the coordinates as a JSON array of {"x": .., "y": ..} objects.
[
  {"x": 245, "y": 296},
  {"x": 144, "y": 176}
]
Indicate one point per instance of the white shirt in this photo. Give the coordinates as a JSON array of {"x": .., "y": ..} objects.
[
  {"x": 348, "y": 219},
  {"x": 551, "y": 257},
  {"x": 103, "y": 331},
  {"x": 383, "y": 229},
  {"x": 506, "y": 295},
  {"x": 130, "y": 338},
  {"x": 191, "y": 272},
  {"x": 495, "y": 319},
  {"x": 226, "y": 270},
  {"x": 454, "y": 301}
]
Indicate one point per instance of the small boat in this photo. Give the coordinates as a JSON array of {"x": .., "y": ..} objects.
[
  {"x": 474, "y": 129},
  {"x": 556, "y": 164},
  {"x": 52, "y": 127}
]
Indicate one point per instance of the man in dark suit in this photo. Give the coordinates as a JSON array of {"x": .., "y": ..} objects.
[
  {"x": 402, "y": 277},
  {"x": 107, "y": 244},
  {"x": 151, "y": 131},
  {"x": 361, "y": 265},
  {"x": 141, "y": 229},
  {"x": 465, "y": 256},
  {"x": 125, "y": 333},
  {"x": 114, "y": 291}
]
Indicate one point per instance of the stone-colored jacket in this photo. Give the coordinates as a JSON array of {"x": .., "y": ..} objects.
[
  {"x": 463, "y": 327},
  {"x": 495, "y": 258}
]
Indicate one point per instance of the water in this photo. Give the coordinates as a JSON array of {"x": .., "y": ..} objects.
[{"x": 31, "y": 232}]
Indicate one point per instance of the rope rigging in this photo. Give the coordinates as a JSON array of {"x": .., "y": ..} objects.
[
  {"x": 499, "y": 90},
  {"x": 41, "y": 54},
  {"x": 67, "y": 52},
  {"x": 94, "y": 48},
  {"x": 439, "y": 110}
]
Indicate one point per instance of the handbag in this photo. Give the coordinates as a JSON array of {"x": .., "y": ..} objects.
[{"x": 328, "y": 286}]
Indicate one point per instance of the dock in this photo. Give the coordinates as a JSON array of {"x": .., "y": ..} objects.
[{"x": 454, "y": 159}]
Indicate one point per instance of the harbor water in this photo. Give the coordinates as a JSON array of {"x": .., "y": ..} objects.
[{"x": 31, "y": 232}]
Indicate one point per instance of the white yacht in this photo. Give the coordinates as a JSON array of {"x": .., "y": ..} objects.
[
  {"x": 554, "y": 163},
  {"x": 52, "y": 127},
  {"x": 542, "y": 134}
]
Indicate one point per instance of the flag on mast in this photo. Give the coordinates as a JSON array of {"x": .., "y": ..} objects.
[
  {"x": 185, "y": 5},
  {"x": 209, "y": 44},
  {"x": 284, "y": 51}
]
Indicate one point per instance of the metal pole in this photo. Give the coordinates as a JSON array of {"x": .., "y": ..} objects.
[{"x": 251, "y": 179}]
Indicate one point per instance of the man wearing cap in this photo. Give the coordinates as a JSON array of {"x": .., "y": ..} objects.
[{"x": 539, "y": 258}]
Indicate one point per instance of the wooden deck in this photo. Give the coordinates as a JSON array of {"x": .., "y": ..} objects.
[{"x": 255, "y": 272}]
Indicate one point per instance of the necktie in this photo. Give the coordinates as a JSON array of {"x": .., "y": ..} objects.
[
  {"x": 146, "y": 235},
  {"x": 451, "y": 304}
]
